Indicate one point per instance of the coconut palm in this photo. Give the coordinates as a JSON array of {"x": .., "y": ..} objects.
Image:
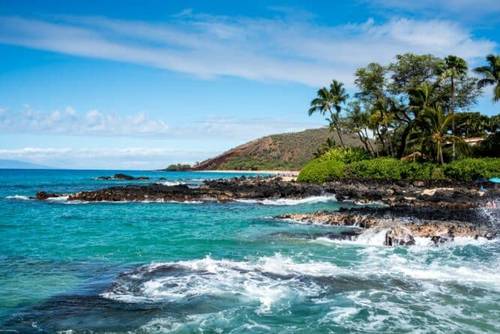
[
  {"x": 420, "y": 98},
  {"x": 433, "y": 126},
  {"x": 329, "y": 102},
  {"x": 453, "y": 68},
  {"x": 490, "y": 75}
]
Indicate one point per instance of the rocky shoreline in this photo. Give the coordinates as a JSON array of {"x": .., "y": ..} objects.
[
  {"x": 440, "y": 194},
  {"x": 439, "y": 210},
  {"x": 402, "y": 225}
]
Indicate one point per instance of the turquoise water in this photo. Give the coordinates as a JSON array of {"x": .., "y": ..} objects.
[{"x": 222, "y": 268}]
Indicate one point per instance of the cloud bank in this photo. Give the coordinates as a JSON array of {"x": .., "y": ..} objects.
[
  {"x": 277, "y": 49},
  {"x": 70, "y": 122},
  {"x": 105, "y": 158}
]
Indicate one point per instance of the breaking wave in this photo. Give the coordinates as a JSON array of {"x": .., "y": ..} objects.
[
  {"x": 267, "y": 281},
  {"x": 291, "y": 201},
  {"x": 376, "y": 237},
  {"x": 171, "y": 183},
  {"x": 18, "y": 197}
]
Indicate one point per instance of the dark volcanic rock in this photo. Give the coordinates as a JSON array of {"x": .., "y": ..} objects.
[
  {"x": 42, "y": 195},
  {"x": 220, "y": 190},
  {"x": 439, "y": 194},
  {"x": 395, "y": 194},
  {"x": 440, "y": 211},
  {"x": 404, "y": 224},
  {"x": 124, "y": 177}
]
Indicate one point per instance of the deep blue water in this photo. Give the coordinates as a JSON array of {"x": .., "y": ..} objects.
[{"x": 222, "y": 268}]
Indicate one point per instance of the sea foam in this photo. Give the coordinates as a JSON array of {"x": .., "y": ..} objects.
[
  {"x": 291, "y": 201},
  {"x": 267, "y": 280}
]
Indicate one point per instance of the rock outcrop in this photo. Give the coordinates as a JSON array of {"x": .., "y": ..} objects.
[
  {"x": 439, "y": 211},
  {"x": 122, "y": 177},
  {"x": 403, "y": 224},
  {"x": 393, "y": 194}
]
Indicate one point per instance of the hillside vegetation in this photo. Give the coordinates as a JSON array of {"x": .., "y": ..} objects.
[{"x": 287, "y": 151}]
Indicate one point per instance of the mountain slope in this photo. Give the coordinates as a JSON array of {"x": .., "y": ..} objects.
[
  {"x": 17, "y": 164},
  {"x": 287, "y": 151}
]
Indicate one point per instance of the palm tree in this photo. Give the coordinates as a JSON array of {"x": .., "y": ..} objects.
[
  {"x": 491, "y": 75},
  {"x": 453, "y": 68},
  {"x": 380, "y": 120},
  {"x": 327, "y": 145},
  {"x": 434, "y": 130},
  {"x": 357, "y": 121},
  {"x": 420, "y": 99},
  {"x": 330, "y": 101}
]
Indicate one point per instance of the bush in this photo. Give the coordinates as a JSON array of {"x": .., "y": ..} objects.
[
  {"x": 346, "y": 155},
  {"x": 473, "y": 169},
  {"x": 438, "y": 173},
  {"x": 319, "y": 171},
  {"x": 418, "y": 171},
  {"x": 178, "y": 167},
  {"x": 379, "y": 168}
]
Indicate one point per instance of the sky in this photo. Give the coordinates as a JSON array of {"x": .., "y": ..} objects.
[{"x": 141, "y": 84}]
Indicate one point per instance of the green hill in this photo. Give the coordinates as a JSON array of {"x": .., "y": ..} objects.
[{"x": 287, "y": 151}]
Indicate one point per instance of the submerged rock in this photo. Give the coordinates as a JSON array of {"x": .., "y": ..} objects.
[{"x": 122, "y": 177}]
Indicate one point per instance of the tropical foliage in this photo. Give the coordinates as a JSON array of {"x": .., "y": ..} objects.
[
  {"x": 490, "y": 75},
  {"x": 413, "y": 118},
  {"x": 328, "y": 102},
  {"x": 416, "y": 105},
  {"x": 331, "y": 168}
]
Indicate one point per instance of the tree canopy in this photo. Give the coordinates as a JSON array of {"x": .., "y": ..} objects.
[{"x": 416, "y": 104}]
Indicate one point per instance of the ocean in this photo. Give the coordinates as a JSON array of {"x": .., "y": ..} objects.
[{"x": 222, "y": 267}]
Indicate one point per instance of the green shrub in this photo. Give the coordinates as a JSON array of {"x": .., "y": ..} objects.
[
  {"x": 437, "y": 173},
  {"x": 379, "y": 168},
  {"x": 346, "y": 155},
  {"x": 416, "y": 170},
  {"x": 473, "y": 169},
  {"x": 319, "y": 171},
  {"x": 323, "y": 170}
]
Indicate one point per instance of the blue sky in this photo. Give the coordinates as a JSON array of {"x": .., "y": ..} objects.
[{"x": 135, "y": 84}]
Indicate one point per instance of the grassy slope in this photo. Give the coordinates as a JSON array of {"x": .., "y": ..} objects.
[{"x": 287, "y": 151}]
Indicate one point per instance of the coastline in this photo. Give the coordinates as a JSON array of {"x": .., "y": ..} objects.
[
  {"x": 438, "y": 211},
  {"x": 235, "y": 171},
  {"x": 285, "y": 175}
]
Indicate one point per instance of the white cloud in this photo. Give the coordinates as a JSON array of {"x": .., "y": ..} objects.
[
  {"x": 106, "y": 158},
  {"x": 95, "y": 123},
  {"x": 69, "y": 121},
  {"x": 284, "y": 49}
]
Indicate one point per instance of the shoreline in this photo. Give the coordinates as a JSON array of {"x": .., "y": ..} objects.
[
  {"x": 410, "y": 209},
  {"x": 236, "y": 171}
]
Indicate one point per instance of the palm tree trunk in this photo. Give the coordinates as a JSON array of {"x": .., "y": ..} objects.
[
  {"x": 440, "y": 153},
  {"x": 363, "y": 140},
  {"x": 404, "y": 138},
  {"x": 381, "y": 138},
  {"x": 391, "y": 147},
  {"x": 340, "y": 136},
  {"x": 375, "y": 153}
]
